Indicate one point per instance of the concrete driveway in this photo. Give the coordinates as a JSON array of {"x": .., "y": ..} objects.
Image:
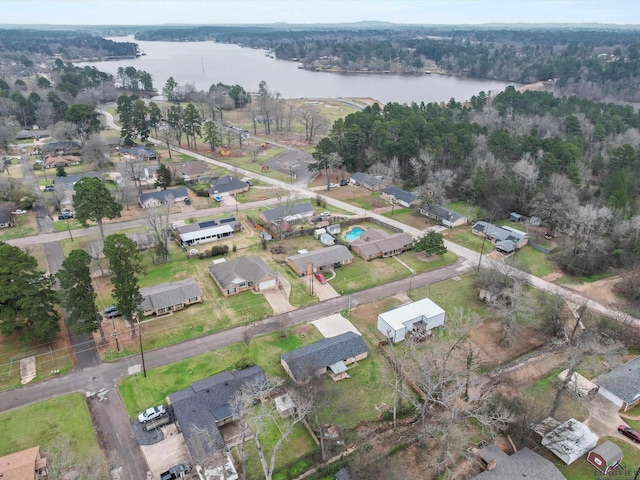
[
  {"x": 334, "y": 325},
  {"x": 165, "y": 454},
  {"x": 278, "y": 298},
  {"x": 603, "y": 417}
]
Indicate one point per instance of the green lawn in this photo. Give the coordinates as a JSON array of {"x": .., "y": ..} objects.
[
  {"x": 139, "y": 392},
  {"x": 26, "y": 227},
  {"x": 451, "y": 294},
  {"x": 583, "y": 470},
  {"x": 298, "y": 444},
  {"x": 46, "y": 423}
]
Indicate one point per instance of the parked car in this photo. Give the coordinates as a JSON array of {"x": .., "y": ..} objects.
[
  {"x": 176, "y": 472},
  {"x": 19, "y": 212},
  {"x": 333, "y": 185},
  {"x": 65, "y": 216},
  {"x": 111, "y": 308},
  {"x": 249, "y": 182},
  {"x": 112, "y": 314},
  {"x": 344, "y": 183},
  {"x": 326, "y": 213},
  {"x": 49, "y": 188},
  {"x": 152, "y": 413},
  {"x": 187, "y": 201},
  {"x": 321, "y": 278},
  {"x": 629, "y": 433}
]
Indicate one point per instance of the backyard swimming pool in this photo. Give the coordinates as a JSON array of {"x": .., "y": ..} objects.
[{"x": 354, "y": 233}]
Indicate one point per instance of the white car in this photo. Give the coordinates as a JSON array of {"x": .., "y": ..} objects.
[
  {"x": 151, "y": 414},
  {"x": 325, "y": 214},
  {"x": 333, "y": 185},
  {"x": 19, "y": 212}
]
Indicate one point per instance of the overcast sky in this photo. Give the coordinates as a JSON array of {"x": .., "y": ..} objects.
[{"x": 143, "y": 12}]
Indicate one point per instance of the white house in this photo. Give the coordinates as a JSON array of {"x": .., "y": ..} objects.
[{"x": 414, "y": 318}]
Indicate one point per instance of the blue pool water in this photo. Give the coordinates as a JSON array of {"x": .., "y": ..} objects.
[{"x": 354, "y": 233}]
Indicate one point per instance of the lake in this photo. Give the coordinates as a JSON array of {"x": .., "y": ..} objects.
[{"x": 206, "y": 63}]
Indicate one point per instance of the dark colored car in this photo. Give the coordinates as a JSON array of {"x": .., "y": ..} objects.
[
  {"x": 112, "y": 314},
  {"x": 49, "y": 188},
  {"x": 65, "y": 216},
  {"x": 175, "y": 472},
  {"x": 630, "y": 433},
  {"x": 249, "y": 182},
  {"x": 344, "y": 183}
]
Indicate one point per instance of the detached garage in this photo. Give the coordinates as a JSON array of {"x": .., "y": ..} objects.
[{"x": 416, "y": 319}]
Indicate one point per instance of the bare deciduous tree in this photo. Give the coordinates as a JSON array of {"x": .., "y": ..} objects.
[
  {"x": 158, "y": 227},
  {"x": 96, "y": 151},
  {"x": 254, "y": 408}
]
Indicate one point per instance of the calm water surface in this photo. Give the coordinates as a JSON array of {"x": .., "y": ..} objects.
[{"x": 206, "y": 63}]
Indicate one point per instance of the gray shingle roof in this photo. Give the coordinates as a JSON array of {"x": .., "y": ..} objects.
[
  {"x": 444, "y": 213},
  {"x": 163, "y": 196},
  {"x": 138, "y": 151},
  {"x": 623, "y": 381},
  {"x": 169, "y": 294},
  {"x": 365, "y": 178},
  {"x": 497, "y": 233},
  {"x": 400, "y": 194},
  {"x": 522, "y": 464},
  {"x": 226, "y": 184},
  {"x": 285, "y": 211},
  {"x": 5, "y": 212},
  {"x": 305, "y": 361},
  {"x": 207, "y": 401},
  {"x": 374, "y": 240},
  {"x": 191, "y": 168},
  {"x": 609, "y": 451},
  {"x": 324, "y": 257},
  {"x": 250, "y": 268}
]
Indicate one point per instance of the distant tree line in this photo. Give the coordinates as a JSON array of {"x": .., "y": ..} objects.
[
  {"x": 69, "y": 44},
  {"x": 596, "y": 63}
]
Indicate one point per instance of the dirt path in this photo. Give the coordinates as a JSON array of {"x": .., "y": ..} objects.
[{"x": 602, "y": 291}]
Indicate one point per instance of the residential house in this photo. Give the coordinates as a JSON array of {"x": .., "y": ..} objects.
[
  {"x": 6, "y": 218},
  {"x": 60, "y": 148},
  {"x": 66, "y": 183},
  {"x": 415, "y": 319},
  {"x": 23, "y": 465},
  {"x": 205, "y": 406},
  {"x": 34, "y": 134},
  {"x": 605, "y": 457},
  {"x": 329, "y": 355},
  {"x": 162, "y": 197},
  {"x": 522, "y": 464},
  {"x": 139, "y": 153},
  {"x": 443, "y": 215},
  {"x": 328, "y": 258},
  {"x": 293, "y": 213},
  {"x": 370, "y": 182},
  {"x": 622, "y": 385},
  {"x": 506, "y": 240},
  {"x": 205, "y": 232},
  {"x": 227, "y": 186},
  {"x": 170, "y": 297},
  {"x": 570, "y": 440},
  {"x": 61, "y": 161},
  {"x": 244, "y": 273},
  {"x": 191, "y": 172},
  {"x": 578, "y": 384},
  {"x": 399, "y": 196},
  {"x": 144, "y": 240},
  {"x": 333, "y": 229},
  {"x": 376, "y": 243}
]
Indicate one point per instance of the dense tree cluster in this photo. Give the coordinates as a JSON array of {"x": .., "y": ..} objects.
[{"x": 69, "y": 44}]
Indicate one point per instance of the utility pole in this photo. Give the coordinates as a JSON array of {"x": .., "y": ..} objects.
[
  {"x": 144, "y": 369},
  {"x": 69, "y": 229}
]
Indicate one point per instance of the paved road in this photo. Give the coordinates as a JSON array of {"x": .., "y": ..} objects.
[{"x": 45, "y": 224}]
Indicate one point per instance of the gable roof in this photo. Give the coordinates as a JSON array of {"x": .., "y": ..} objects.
[
  {"x": 206, "y": 402},
  {"x": 287, "y": 211},
  {"x": 365, "y": 178},
  {"x": 169, "y": 294},
  {"x": 138, "y": 151},
  {"x": 522, "y": 464},
  {"x": 444, "y": 213},
  {"x": 305, "y": 361},
  {"x": 250, "y": 268},
  {"x": 400, "y": 194},
  {"x": 570, "y": 440},
  {"x": 19, "y": 465},
  {"x": 164, "y": 196},
  {"x": 5, "y": 211},
  {"x": 499, "y": 234},
  {"x": 227, "y": 184},
  {"x": 55, "y": 146},
  {"x": 609, "y": 451},
  {"x": 396, "y": 317},
  {"x": 623, "y": 381},
  {"x": 321, "y": 257}
]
